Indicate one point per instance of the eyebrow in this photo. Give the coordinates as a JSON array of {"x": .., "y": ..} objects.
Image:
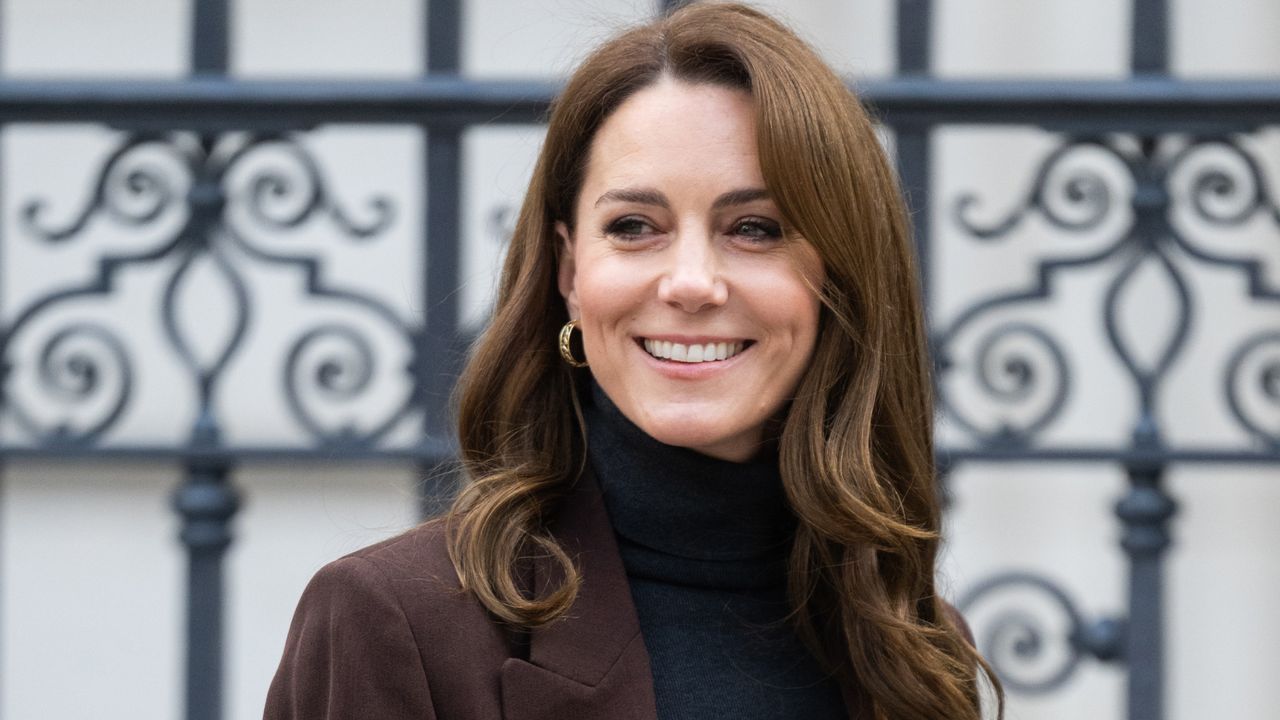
[
  {"x": 649, "y": 196},
  {"x": 740, "y": 197},
  {"x": 640, "y": 196}
]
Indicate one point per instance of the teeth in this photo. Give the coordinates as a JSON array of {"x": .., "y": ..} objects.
[{"x": 709, "y": 352}]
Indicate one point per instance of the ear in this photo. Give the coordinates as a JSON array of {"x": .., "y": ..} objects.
[{"x": 567, "y": 271}]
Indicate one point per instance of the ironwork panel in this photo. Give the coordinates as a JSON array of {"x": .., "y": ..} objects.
[{"x": 208, "y": 182}]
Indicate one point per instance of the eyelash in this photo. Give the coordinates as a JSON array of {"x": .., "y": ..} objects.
[
  {"x": 615, "y": 228},
  {"x": 764, "y": 230}
]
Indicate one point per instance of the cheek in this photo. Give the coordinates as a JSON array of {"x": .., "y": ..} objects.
[
  {"x": 605, "y": 281},
  {"x": 606, "y": 297},
  {"x": 787, "y": 300},
  {"x": 802, "y": 322},
  {"x": 809, "y": 278}
]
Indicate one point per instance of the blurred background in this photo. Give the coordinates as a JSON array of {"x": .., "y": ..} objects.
[{"x": 243, "y": 246}]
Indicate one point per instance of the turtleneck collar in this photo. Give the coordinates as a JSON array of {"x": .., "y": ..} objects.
[{"x": 684, "y": 517}]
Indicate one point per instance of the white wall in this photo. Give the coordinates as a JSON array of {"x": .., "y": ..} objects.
[{"x": 92, "y": 575}]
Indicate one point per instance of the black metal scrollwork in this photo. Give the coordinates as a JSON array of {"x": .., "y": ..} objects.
[
  {"x": 1224, "y": 187},
  {"x": 284, "y": 195},
  {"x": 1255, "y": 365},
  {"x": 1011, "y": 373},
  {"x": 1018, "y": 644},
  {"x": 1226, "y": 190},
  {"x": 1070, "y": 198},
  {"x": 137, "y": 187},
  {"x": 130, "y": 189},
  {"x": 81, "y": 365},
  {"x": 188, "y": 178},
  {"x": 1226, "y": 193},
  {"x": 1178, "y": 185},
  {"x": 332, "y": 365}
]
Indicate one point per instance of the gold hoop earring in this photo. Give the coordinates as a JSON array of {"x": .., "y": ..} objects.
[{"x": 566, "y": 351}]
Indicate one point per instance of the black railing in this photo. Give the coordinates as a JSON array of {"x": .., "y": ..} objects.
[{"x": 1175, "y": 144}]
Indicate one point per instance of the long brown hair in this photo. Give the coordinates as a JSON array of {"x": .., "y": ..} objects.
[{"x": 855, "y": 448}]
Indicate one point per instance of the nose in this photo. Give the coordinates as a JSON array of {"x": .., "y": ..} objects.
[{"x": 693, "y": 282}]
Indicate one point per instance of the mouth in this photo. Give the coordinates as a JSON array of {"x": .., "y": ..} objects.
[{"x": 693, "y": 353}]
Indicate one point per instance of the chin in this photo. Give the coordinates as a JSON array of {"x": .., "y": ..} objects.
[{"x": 716, "y": 439}]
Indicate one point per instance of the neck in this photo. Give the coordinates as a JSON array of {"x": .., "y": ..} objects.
[{"x": 725, "y": 522}]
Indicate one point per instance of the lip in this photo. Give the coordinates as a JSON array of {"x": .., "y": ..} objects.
[
  {"x": 693, "y": 339},
  {"x": 690, "y": 371}
]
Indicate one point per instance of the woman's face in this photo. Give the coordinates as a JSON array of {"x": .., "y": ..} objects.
[{"x": 697, "y": 310}]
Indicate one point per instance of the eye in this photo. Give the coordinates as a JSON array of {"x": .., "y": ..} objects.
[
  {"x": 757, "y": 229},
  {"x": 629, "y": 227}
]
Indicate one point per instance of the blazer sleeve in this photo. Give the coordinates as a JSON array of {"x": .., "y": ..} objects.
[{"x": 350, "y": 652}]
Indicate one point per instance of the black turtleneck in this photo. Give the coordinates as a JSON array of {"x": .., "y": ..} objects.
[{"x": 705, "y": 543}]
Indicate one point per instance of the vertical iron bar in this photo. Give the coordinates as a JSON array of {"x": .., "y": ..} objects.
[
  {"x": 440, "y": 348},
  {"x": 1149, "y": 51},
  {"x": 1147, "y": 509},
  {"x": 206, "y": 502},
  {"x": 205, "y": 499},
  {"x": 209, "y": 37},
  {"x": 1145, "y": 512},
  {"x": 914, "y": 161},
  {"x": 914, "y": 165},
  {"x": 913, "y": 140},
  {"x": 915, "y": 37},
  {"x": 444, "y": 36}
]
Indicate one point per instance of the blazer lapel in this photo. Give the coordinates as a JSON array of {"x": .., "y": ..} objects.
[{"x": 592, "y": 663}]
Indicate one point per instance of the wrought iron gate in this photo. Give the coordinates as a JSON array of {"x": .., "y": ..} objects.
[{"x": 1177, "y": 143}]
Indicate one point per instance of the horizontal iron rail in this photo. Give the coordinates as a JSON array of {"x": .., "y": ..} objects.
[
  {"x": 424, "y": 452},
  {"x": 221, "y": 104},
  {"x": 432, "y": 452},
  {"x": 1128, "y": 457},
  {"x": 1135, "y": 105}
]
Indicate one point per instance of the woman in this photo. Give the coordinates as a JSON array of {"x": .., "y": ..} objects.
[{"x": 697, "y": 431}]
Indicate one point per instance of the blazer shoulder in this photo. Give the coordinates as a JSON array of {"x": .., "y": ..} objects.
[
  {"x": 411, "y": 569},
  {"x": 419, "y": 554},
  {"x": 351, "y": 650},
  {"x": 391, "y": 615},
  {"x": 414, "y": 567}
]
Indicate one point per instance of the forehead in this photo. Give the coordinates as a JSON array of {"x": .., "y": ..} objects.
[{"x": 674, "y": 128}]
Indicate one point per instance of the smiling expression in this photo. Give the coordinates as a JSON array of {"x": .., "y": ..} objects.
[{"x": 696, "y": 302}]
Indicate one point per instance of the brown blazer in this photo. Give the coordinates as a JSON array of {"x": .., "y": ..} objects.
[{"x": 386, "y": 633}]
